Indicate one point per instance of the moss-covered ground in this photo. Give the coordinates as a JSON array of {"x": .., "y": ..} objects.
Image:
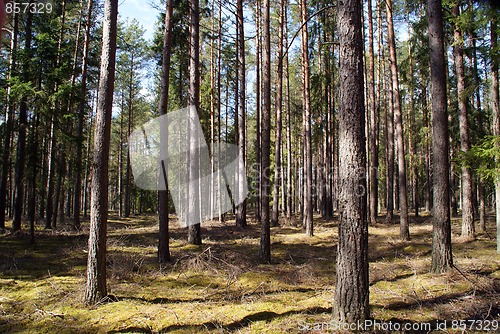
[{"x": 220, "y": 287}]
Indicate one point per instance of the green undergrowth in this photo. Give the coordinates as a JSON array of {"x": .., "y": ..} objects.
[{"x": 221, "y": 287}]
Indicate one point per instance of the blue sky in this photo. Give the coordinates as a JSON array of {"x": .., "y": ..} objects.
[{"x": 142, "y": 10}]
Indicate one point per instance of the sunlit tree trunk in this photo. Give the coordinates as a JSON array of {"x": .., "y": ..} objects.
[
  {"x": 96, "y": 289},
  {"x": 278, "y": 119},
  {"x": 404, "y": 231},
  {"x": 351, "y": 304},
  {"x": 467, "y": 210},
  {"x": 241, "y": 210},
  {"x": 163, "y": 242},
  {"x": 265, "y": 236},
  {"x": 194, "y": 230},
  {"x": 442, "y": 259},
  {"x": 306, "y": 104}
]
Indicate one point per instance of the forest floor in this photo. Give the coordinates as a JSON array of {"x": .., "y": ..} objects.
[{"x": 220, "y": 286}]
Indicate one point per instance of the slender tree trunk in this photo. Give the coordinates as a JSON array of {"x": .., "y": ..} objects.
[
  {"x": 442, "y": 258},
  {"x": 496, "y": 115},
  {"x": 258, "y": 112},
  {"x": 428, "y": 178},
  {"x": 21, "y": 137},
  {"x": 352, "y": 289},
  {"x": 278, "y": 118},
  {"x": 241, "y": 210},
  {"x": 163, "y": 242},
  {"x": 95, "y": 289},
  {"x": 289, "y": 157},
  {"x": 194, "y": 233},
  {"x": 265, "y": 236},
  {"x": 373, "y": 173},
  {"x": 467, "y": 210},
  {"x": 9, "y": 123},
  {"x": 81, "y": 117},
  {"x": 306, "y": 104},
  {"x": 404, "y": 231}
]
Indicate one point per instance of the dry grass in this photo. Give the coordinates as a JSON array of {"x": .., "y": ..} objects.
[{"x": 221, "y": 287}]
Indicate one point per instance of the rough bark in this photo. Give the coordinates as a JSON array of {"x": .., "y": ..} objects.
[
  {"x": 373, "y": 173},
  {"x": 404, "y": 231},
  {"x": 306, "y": 105},
  {"x": 467, "y": 210},
  {"x": 163, "y": 236},
  {"x": 351, "y": 292},
  {"x": 194, "y": 230},
  {"x": 278, "y": 118},
  {"x": 241, "y": 210},
  {"x": 442, "y": 259},
  {"x": 95, "y": 289},
  {"x": 265, "y": 235}
]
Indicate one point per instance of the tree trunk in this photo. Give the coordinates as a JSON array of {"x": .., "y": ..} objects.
[
  {"x": 194, "y": 230},
  {"x": 373, "y": 173},
  {"x": 265, "y": 235},
  {"x": 467, "y": 210},
  {"x": 163, "y": 237},
  {"x": 96, "y": 264},
  {"x": 278, "y": 118},
  {"x": 81, "y": 118},
  {"x": 352, "y": 289},
  {"x": 496, "y": 116},
  {"x": 21, "y": 138},
  {"x": 404, "y": 230},
  {"x": 9, "y": 123},
  {"x": 258, "y": 111},
  {"x": 306, "y": 104},
  {"x": 442, "y": 259},
  {"x": 241, "y": 210}
]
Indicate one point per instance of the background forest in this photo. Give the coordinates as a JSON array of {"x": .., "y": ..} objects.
[{"x": 370, "y": 133}]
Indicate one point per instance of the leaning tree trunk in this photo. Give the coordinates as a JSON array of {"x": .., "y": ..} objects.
[
  {"x": 442, "y": 259},
  {"x": 95, "y": 289},
  {"x": 352, "y": 288}
]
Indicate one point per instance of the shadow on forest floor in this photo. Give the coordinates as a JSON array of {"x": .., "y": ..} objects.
[{"x": 221, "y": 287}]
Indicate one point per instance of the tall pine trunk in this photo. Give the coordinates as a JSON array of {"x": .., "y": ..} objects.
[
  {"x": 373, "y": 121},
  {"x": 442, "y": 258},
  {"x": 96, "y": 289},
  {"x": 265, "y": 235},
  {"x": 404, "y": 231},
  {"x": 163, "y": 242},
  {"x": 194, "y": 230},
  {"x": 306, "y": 105},
  {"x": 21, "y": 137},
  {"x": 352, "y": 290},
  {"x": 467, "y": 209},
  {"x": 241, "y": 210},
  {"x": 278, "y": 119}
]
